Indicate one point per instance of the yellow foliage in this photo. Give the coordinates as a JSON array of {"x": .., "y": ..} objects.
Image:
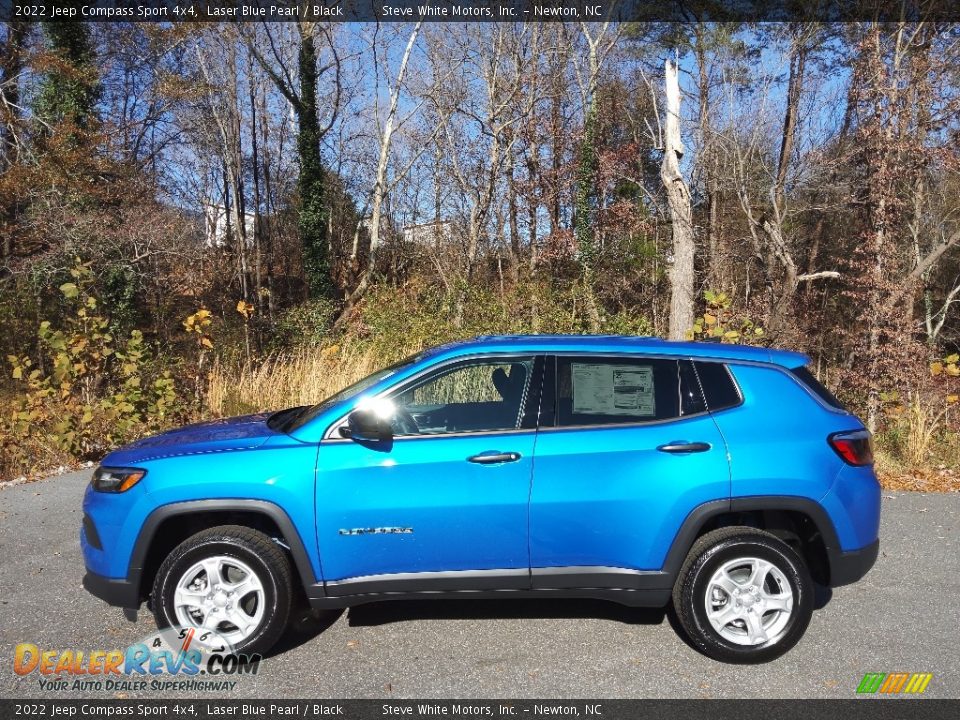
[
  {"x": 245, "y": 309},
  {"x": 93, "y": 396},
  {"x": 198, "y": 324},
  {"x": 719, "y": 322}
]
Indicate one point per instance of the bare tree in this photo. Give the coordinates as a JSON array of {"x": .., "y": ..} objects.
[
  {"x": 224, "y": 107},
  {"x": 599, "y": 43},
  {"x": 485, "y": 100},
  {"x": 681, "y": 215},
  {"x": 380, "y": 183},
  {"x": 273, "y": 47},
  {"x": 12, "y": 62},
  {"x": 760, "y": 184}
]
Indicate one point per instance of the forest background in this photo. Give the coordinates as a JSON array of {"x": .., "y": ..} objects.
[{"x": 202, "y": 220}]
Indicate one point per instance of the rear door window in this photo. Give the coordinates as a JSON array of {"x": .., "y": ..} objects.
[{"x": 620, "y": 391}]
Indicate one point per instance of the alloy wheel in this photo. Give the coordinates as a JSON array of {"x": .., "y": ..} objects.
[
  {"x": 222, "y": 594},
  {"x": 749, "y": 601}
]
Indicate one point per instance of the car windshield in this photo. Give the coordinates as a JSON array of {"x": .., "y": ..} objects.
[{"x": 291, "y": 421}]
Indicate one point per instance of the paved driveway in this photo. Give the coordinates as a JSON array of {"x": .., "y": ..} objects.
[{"x": 904, "y": 616}]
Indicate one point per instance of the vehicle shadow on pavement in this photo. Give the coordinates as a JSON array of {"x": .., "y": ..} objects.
[
  {"x": 821, "y": 596},
  {"x": 408, "y": 610},
  {"x": 304, "y": 626}
]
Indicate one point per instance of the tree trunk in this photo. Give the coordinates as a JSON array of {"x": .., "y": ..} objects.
[
  {"x": 715, "y": 261},
  {"x": 312, "y": 220},
  {"x": 513, "y": 222},
  {"x": 257, "y": 198},
  {"x": 266, "y": 230},
  {"x": 380, "y": 185},
  {"x": 781, "y": 302},
  {"x": 678, "y": 198},
  {"x": 11, "y": 65},
  {"x": 556, "y": 157}
]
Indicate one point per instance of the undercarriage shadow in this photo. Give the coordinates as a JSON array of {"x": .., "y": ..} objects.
[
  {"x": 307, "y": 624},
  {"x": 406, "y": 610}
]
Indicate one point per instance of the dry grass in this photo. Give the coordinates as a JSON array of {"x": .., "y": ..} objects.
[
  {"x": 302, "y": 377},
  {"x": 922, "y": 480},
  {"x": 308, "y": 375},
  {"x": 897, "y": 475},
  {"x": 920, "y": 449},
  {"x": 924, "y": 424}
]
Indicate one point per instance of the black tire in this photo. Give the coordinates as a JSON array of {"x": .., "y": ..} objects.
[
  {"x": 708, "y": 554},
  {"x": 251, "y": 547}
]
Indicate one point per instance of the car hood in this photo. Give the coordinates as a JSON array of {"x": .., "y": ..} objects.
[{"x": 226, "y": 434}]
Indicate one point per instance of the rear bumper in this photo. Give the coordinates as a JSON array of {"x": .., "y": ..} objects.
[
  {"x": 113, "y": 591},
  {"x": 848, "y": 567}
]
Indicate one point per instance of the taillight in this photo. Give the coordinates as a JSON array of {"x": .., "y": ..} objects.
[{"x": 856, "y": 448}]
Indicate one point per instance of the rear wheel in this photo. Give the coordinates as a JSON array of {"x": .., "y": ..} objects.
[
  {"x": 232, "y": 580},
  {"x": 743, "y": 595}
]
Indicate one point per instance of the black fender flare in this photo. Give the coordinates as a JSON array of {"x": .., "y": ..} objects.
[
  {"x": 291, "y": 537},
  {"x": 702, "y": 514}
]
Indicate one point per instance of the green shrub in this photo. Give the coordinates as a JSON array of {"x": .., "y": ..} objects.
[
  {"x": 307, "y": 324},
  {"x": 87, "y": 391},
  {"x": 720, "y": 321},
  {"x": 395, "y": 321}
]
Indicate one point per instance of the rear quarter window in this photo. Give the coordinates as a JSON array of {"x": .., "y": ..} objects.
[
  {"x": 719, "y": 389},
  {"x": 808, "y": 379}
]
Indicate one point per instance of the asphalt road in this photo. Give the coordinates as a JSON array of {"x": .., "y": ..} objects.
[{"x": 904, "y": 616}]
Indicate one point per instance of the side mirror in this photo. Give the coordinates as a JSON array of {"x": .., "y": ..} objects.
[{"x": 366, "y": 425}]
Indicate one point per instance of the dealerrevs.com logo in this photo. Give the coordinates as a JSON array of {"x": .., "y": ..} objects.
[{"x": 174, "y": 659}]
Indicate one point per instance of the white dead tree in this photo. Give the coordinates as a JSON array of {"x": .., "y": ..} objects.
[
  {"x": 223, "y": 104},
  {"x": 681, "y": 216},
  {"x": 380, "y": 185},
  {"x": 933, "y": 321}
]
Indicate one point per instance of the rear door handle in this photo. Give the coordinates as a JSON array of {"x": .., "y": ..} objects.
[
  {"x": 679, "y": 448},
  {"x": 493, "y": 457}
]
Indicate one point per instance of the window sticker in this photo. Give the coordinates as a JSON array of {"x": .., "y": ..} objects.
[{"x": 600, "y": 389}]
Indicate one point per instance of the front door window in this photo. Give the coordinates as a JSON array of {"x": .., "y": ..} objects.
[{"x": 481, "y": 396}]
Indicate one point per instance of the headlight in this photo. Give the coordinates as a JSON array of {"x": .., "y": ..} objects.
[{"x": 116, "y": 480}]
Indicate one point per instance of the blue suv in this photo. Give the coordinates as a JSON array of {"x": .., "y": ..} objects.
[{"x": 723, "y": 478}]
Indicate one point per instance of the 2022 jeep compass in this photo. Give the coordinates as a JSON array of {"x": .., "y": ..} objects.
[{"x": 725, "y": 478}]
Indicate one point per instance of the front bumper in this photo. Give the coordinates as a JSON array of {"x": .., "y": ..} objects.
[
  {"x": 848, "y": 567},
  {"x": 119, "y": 592}
]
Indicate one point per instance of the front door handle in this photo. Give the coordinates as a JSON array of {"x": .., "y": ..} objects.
[
  {"x": 493, "y": 457},
  {"x": 679, "y": 448}
]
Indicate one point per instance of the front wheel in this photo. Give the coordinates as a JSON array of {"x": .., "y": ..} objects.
[
  {"x": 231, "y": 580},
  {"x": 743, "y": 595}
]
